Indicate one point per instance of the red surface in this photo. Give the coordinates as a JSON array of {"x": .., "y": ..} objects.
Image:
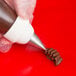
[{"x": 55, "y": 24}]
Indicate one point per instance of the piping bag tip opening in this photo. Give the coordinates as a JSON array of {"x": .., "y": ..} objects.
[{"x": 37, "y": 42}]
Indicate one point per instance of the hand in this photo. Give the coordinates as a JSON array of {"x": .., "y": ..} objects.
[{"x": 24, "y": 9}]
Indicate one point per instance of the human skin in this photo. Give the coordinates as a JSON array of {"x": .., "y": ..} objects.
[{"x": 24, "y": 9}]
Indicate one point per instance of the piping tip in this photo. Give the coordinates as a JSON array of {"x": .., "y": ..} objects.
[{"x": 35, "y": 40}]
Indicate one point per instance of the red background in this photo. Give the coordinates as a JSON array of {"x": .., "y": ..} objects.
[{"x": 55, "y": 24}]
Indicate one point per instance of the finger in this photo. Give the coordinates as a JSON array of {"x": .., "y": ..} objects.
[
  {"x": 5, "y": 45},
  {"x": 24, "y": 8}
]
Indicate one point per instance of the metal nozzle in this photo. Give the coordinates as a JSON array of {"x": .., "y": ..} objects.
[{"x": 37, "y": 41}]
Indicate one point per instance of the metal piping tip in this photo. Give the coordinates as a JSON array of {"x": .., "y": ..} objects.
[{"x": 37, "y": 41}]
